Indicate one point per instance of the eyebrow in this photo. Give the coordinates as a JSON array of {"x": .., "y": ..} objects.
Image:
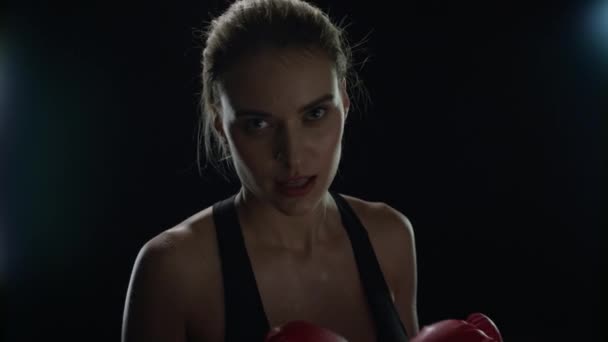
[{"x": 304, "y": 108}]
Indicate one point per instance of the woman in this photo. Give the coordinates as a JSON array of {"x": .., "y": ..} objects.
[{"x": 285, "y": 247}]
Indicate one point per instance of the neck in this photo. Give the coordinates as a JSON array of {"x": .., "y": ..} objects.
[{"x": 301, "y": 232}]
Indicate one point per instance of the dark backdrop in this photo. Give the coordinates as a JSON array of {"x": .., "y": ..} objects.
[{"x": 484, "y": 129}]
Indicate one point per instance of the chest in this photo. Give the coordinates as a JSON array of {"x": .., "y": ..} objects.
[
  {"x": 325, "y": 290},
  {"x": 323, "y": 287},
  {"x": 329, "y": 295}
]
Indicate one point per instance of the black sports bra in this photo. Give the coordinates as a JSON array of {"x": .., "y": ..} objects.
[{"x": 245, "y": 319}]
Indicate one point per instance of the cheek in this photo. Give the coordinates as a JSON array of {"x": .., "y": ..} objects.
[
  {"x": 250, "y": 155},
  {"x": 241, "y": 148},
  {"x": 328, "y": 147},
  {"x": 329, "y": 138}
]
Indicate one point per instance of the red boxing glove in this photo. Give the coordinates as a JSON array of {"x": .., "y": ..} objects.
[
  {"x": 485, "y": 324},
  {"x": 477, "y": 328},
  {"x": 302, "y": 331}
]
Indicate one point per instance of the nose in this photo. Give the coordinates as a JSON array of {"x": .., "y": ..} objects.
[{"x": 288, "y": 147}]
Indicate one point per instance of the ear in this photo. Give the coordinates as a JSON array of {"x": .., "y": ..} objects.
[
  {"x": 217, "y": 123},
  {"x": 345, "y": 98}
]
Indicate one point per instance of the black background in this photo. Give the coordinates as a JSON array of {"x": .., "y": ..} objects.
[{"x": 484, "y": 129}]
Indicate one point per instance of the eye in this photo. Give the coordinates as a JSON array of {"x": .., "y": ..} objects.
[
  {"x": 317, "y": 113},
  {"x": 255, "y": 124}
]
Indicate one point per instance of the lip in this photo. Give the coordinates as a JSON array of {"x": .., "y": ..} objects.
[
  {"x": 293, "y": 179},
  {"x": 296, "y": 192}
]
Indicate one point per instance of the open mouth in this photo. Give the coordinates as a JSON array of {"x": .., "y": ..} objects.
[{"x": 297, "y": 187}]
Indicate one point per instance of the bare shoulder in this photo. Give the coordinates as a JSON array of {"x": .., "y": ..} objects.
[
  {"x": 170, "y": 271},
  {"x": 189, "y": 249},
  {"x": 382, "y": 219},
  {"x": 390, "y": 232},
  {"x": 188, "y": 239},
  {"x": 392, "y": 236}
]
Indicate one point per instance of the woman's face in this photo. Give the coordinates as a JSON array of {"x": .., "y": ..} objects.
[{"x": 282, "y": 113}]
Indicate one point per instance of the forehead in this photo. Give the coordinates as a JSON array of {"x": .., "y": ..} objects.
[{"x": 278, "y": 79}]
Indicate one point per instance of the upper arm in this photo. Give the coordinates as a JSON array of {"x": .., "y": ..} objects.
[
  {"x": 403, "y": 251},
  {"x": 153, "y": 309}
]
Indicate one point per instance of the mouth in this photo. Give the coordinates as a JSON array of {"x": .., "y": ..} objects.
[{"x": 299, "y": 186}]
